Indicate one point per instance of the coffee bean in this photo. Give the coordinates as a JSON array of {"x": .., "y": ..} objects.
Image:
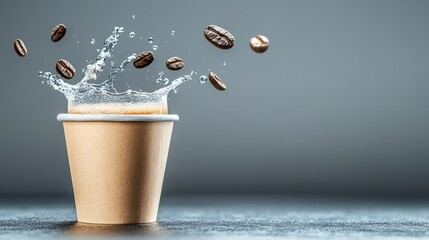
[
  {"x": 144, "y": 59},
  {"x": 58, "y": 32},
  {"x": 19, "y": 47},
  {"x": 175, "y": 63},
  {"x": 219, "y": 37},
  {"x": 216, "y": 82},
  {"x": 65, "y": 69},
  {"x": 259, "y": 44}
]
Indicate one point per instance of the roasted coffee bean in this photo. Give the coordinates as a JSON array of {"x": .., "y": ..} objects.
[
  {"x": 144, "y": 59},
  {"x": 19, "y": 47},
  {"x": 216, "y": 82},
  {"x": 219, "y": 37},
  {"x": 175, "y": 63},
  {"x": 58, "y": 32},
  {"x": 259, "y": 44},
  {"x": 65, "y": 69}
]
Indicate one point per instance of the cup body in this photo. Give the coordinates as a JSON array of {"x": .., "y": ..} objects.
[{"x": 117, "y": 165}]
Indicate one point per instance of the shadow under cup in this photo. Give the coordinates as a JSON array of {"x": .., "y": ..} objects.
[{"x": 117, "y": 164}]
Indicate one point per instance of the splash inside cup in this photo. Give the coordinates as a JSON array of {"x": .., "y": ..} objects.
[
  {"x": 117, "y": 142},
  {"x": 117, "y": 164}
]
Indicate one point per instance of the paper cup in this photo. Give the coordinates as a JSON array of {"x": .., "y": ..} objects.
[{"x": 117, "y": 165}]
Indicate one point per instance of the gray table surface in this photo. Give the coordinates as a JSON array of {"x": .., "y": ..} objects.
[{"x": 227, "y": 218}]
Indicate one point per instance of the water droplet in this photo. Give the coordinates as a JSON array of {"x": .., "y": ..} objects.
[
  {"x": 129, "y": 91},
  {"x": 83, "y": 70},
  {"x": 77, "y": 41},
  {"x": 172, "y": 33},
  {"x": 150, "y": 40},
  {"x": 175, "y": 90},
  {"x": 92, "y": 41},
  {"x": 40, "y": 73},
  {"x": 43, "y": 82},
  {"x": 112, "y": 64},
  {"x": 166, "y": 81},
  {"x": 133, "y": 16},
  {"x": 159, "y": 79},
  {"x": 203, "y": 79},
  {"x": 224, "y": 63},
  {"x": 132, "y": 34},
  {"x": 155, "y": 47}
]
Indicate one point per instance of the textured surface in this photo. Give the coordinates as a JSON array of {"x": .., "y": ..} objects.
[{"x": 231, "y": 218}]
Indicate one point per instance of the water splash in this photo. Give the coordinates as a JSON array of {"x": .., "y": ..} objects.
[
  {"x": 86, "y": 96},
  {"x": 92, "y": 41}
]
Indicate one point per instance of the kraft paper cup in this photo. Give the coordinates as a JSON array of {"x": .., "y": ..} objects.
[{"x": 117, "y": 165}]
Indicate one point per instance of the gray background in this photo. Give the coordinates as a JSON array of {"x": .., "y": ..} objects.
[{"x": 338, "y": 105}]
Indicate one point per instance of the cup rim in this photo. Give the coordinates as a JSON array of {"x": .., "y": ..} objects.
[{"x": 69, "y": 117}]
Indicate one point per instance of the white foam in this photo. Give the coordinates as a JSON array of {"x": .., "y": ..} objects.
[
  {"x": 119, "y": 108},
  {"x": 64, "y": 117}
]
